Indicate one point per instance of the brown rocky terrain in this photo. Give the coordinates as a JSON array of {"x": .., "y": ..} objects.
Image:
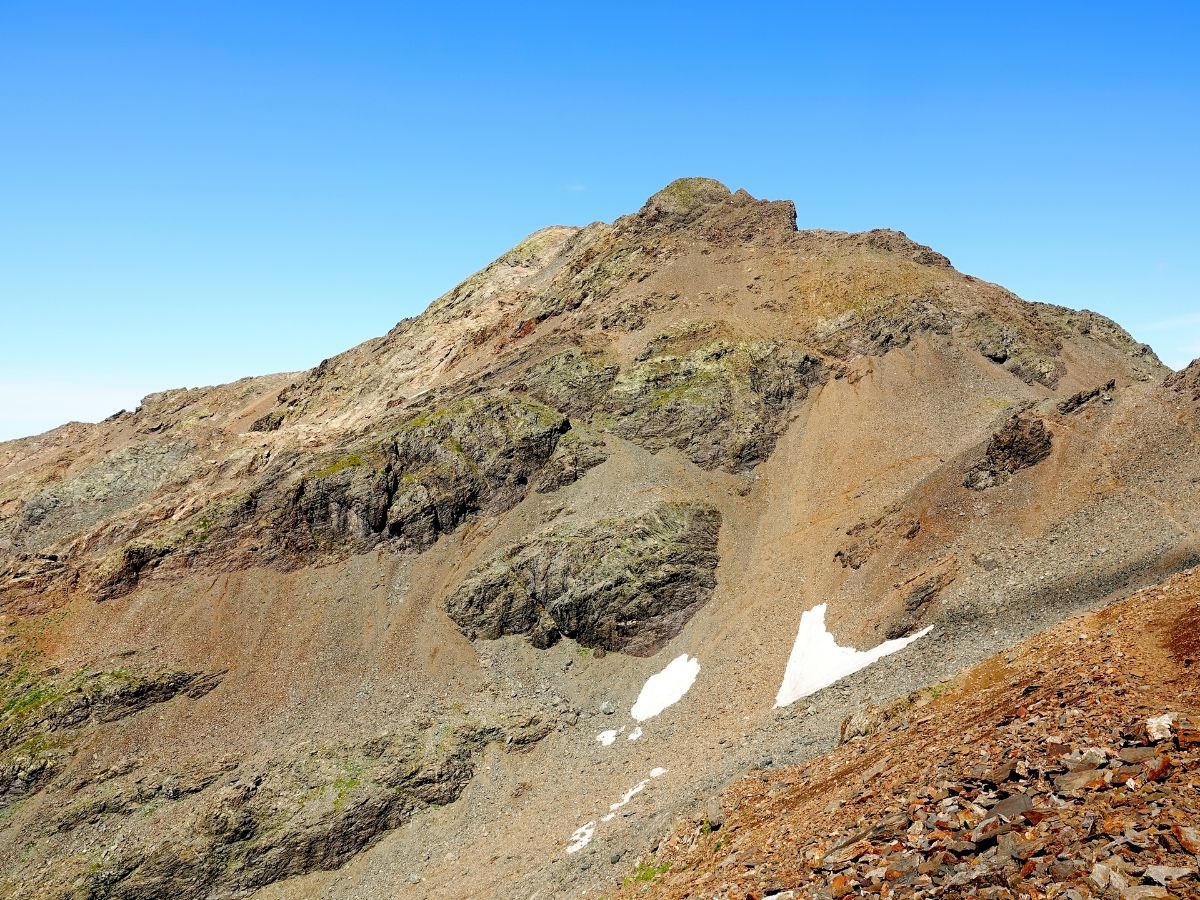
[
  {"x": 353, "y": 632},
  {"x": 1066, "y": 767}
]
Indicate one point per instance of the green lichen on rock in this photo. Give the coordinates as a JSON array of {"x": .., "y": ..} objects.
[
  {"x": 1009, "y": 344},
  {"x": 341, "y": 464},
  {"x": 41, "y": 714},
  {"x": 273, "y": 817},
  {"x": 120, "y": 480},
  {"x": 686, "y": 194},
  {"x": 579, "y": 450},
  {"x": 438, "y": 467},
  {"x": 571, "y": 381},
  {"x": 418, "y": 479},
  {"x": 722, "y": 405},
  {"x": 621, "y": 584}
]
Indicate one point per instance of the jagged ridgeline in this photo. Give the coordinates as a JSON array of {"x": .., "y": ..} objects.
[{"x": 253, "y": 630}]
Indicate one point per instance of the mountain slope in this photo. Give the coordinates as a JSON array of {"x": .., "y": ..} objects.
[
  {"x": 419, "y": 579},
  {"x": 1065, "y": 764}
]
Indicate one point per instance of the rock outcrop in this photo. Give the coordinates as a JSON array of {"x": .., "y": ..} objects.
[
  {"x": 234, "y": 830},
  {"x": 43, "y": 715},
  {"x": 1186, "y": 381},
  {"x": 1023, "y": 442},
  {"x": 617, "y": 584},
  {"x": 1078, "y": 400},
  {"x": 416, "y": 481}
]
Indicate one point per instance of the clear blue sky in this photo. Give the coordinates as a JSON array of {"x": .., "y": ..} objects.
[{"x": 196, "y": 190}]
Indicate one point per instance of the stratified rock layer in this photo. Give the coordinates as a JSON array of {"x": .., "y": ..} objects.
[{"x": 1021, "y": 443}]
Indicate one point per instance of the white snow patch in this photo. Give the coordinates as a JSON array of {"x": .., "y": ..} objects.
[
  {"x": 606, "y": 738},
  {"x": 817, "y": 661},
  {"x": 582, "y": 837},
  {"x": 635, "y": 734},
  {"x": 631, "y": 793},
  {"x": 666, "y": 688}
]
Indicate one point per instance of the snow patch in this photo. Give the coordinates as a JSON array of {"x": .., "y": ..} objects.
[
  {"x": 666, "y": 688},
  {"x": 631, "y": 793},
  {"x": 817, "y": 661},
  {"x": 635, "y": 734},
  {"x": 582, "y": 837},
  {"x": 606, "y": 738}
]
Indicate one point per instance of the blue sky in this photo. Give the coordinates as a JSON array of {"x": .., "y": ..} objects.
[{"x": 196, "y": 190}]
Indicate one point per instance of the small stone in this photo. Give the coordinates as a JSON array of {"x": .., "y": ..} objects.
[
  {"x": 1158, "y": 728},
  {"x": 1165, "y": 874},
  {"x": 1001, "y": 773},
  {"x": 989, "y": 829},
  {"x": 1135, "y": 754},
  {"x": 1013, "y": 806},
  {"x": 1188, "y": 837},
  {"x": 1145, "y": 892},
  {"x": 1091, "y": 758},
  {"x": 1187, "y": 734},
  {"x": 1084, "y": 780},
  {"x": 1104, "y": 876},
  {"x": 1157, "y": 768},
  {"x": 607, "y": 708},
  {"x": 714, "y": 814}
]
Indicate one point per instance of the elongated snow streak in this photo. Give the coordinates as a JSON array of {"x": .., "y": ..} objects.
[
  {"x": 817, "y": 661},
  {"x": 666, "y": 688},
  {"x": 582, "y": 837},
  {"x": 631, "y": 793}
]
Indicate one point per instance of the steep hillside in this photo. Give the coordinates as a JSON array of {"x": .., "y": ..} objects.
[
  {"x": 329, "y": 633},
  {"x": 1067, "y": 764}
]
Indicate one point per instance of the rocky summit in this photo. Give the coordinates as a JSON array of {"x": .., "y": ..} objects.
[{"x": 500, "y": 604}]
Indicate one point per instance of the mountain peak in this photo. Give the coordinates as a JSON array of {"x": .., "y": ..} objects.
[
  {"x": 687, "y": 194},
  {"x": 707, "y": 209}
]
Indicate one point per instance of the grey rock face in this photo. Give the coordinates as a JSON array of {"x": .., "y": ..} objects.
[
  {"x": 480, "y": 453},
  {"x": 42, "y": 717},
  {"x": 120, "y": 480},
  {"x": 616, "y": 584},
  {"x": 476, "y": 453},
  {"x": 722, "y": 405}
]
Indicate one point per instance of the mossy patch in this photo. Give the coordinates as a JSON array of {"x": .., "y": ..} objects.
[
  {"x": 647, "y": 872},
  {"x": 341, "y": 464}
]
